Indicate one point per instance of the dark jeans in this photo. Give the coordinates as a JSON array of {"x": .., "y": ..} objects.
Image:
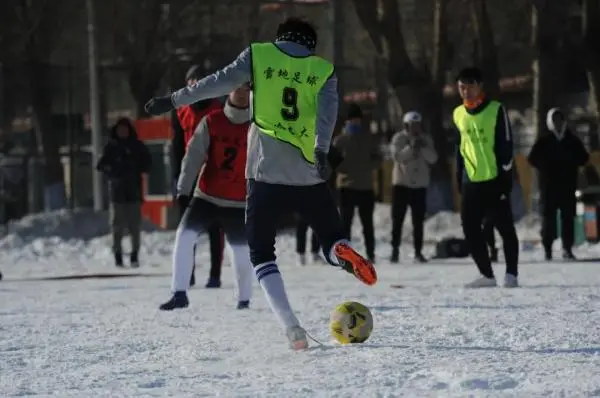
[
  {"x": 364, "y": 200},
  {"x": 481, "y": 201},
  {"x": 301, "y": 232},
  {"x": 265, "y": 205},
  {"x": 551, "y": 204},
  {"x": 402, "y": 198},
  {"x": 126, "y": 217},
  {"x": 216, "y": 241}
]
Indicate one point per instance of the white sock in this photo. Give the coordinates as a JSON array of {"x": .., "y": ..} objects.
[
  {"x": 239, "y": 255},
  {"x": 183, "y": 259},
  {"x": 332, "y": 257},
  {"x": 272, "y": 284}
]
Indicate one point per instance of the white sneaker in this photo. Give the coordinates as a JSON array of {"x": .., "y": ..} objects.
[
  {"x": 480, "y": 282},
  {"x": 301, "y": 259},
  {"x": 297, "y": 338},
  {"x": 510, "y": 281}
]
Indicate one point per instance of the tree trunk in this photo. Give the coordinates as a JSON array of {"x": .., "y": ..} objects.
[
  {"x": 543, "y": 45},
  {"x": 436, "y": 95},
  {"x": 591, "y": 35},
  {"x": 486, "y": 47},
  {"x": 47, "y": 141}
]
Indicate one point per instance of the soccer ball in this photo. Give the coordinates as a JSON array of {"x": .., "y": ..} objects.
[{"x": 351, "y": 322}]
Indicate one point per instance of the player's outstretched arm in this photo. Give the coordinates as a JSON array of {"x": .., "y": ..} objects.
[{"x": 216, "y": 85}]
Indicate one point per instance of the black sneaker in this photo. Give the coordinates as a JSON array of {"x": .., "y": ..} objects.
[
  {"x": 179, "y": 300},
  {"x": 213, "y": 283},
  {"x": 133, "y": 260},
  {"x": 243, "y": 305},
  {"x": 395, "y": 257},
  {"x": 420, "y": 259},
  {"x": 568, "y": 255},
  {"x": 118, "y": 259}
]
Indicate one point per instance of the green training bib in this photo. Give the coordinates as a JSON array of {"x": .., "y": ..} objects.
[
  {"x": 477, "y": 141},
  {"x": 285, "y": 92}
]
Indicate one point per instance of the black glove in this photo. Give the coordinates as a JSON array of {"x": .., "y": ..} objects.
[
  {"x": 183, "y": 201},
  {"x": 334, "y": 157},
  {"x": 505, "y": 182},
  {"x": 159, "y": 105},
  {"x": 322, "y": 165}
]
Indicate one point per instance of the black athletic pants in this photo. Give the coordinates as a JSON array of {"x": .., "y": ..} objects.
[
  {"x": 551, "y": 204},
  {"x": 267, "y": 203},
  {"x": 364, "y": 200},
  {"x": 301, "y": 232},
  {"x": 488, "y": 232},
  {"x": 481, "y": 201},
  {"x": 402, "y": 198},
  {"x": 216, "y": 241}
]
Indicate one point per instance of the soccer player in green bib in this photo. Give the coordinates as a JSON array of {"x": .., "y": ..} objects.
[
  {"x": 294, "y": 107},
  {"x": 484, "y": 172}
]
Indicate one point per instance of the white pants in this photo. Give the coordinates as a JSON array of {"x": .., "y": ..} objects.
[{"x": 190, "y": 228}]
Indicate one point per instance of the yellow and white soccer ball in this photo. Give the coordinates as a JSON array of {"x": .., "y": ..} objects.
[{"x": 351, "y": 322}]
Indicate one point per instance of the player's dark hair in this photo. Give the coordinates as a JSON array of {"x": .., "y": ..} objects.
[
  {"x": 470, "y": 75},
  {"x": 297, "y": 26}
]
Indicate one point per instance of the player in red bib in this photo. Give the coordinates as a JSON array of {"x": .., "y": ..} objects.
[
  {"x": 184, "y": 123},
  {"x": 218, "y": 146}
]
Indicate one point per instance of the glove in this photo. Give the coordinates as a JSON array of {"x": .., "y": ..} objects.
[
  {"x": 159, "y": 105},
  {"x": 322, "y": 165},
  {"x": 505, "y": 182},
  {"x": 183, "y": 201},
  {"x": 334, "y": 157}
]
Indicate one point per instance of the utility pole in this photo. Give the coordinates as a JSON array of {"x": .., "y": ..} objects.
[{"x": 96, "y": 122}]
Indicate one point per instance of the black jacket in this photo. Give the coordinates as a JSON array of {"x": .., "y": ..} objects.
[
  {"x": 124, "y": 161},
  {"x": 557, "y": 162}
]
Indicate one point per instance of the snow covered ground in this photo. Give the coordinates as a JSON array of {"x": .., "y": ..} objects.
[{"x": 105, "y": 337}]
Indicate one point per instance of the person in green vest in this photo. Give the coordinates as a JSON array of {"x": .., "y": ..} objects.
[
  {"x": 294, "y": 108},
  {"x": 484, "y": 173}
]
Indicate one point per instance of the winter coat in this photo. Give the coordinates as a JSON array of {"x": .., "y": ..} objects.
[
  {"x": 361, "y": 155},
  {"x": 557, "y": 156},
  {"x": 124, "y": 161},
  {"x": 413, "y": 158}
]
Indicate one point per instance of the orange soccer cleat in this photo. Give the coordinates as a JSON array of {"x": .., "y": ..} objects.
[{"x": 355, "y": 264}]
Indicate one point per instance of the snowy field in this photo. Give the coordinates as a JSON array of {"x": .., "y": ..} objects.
[{"x": 432, "y": 338}]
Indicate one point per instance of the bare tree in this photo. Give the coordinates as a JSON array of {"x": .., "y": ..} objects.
[
  {"x": 591, "y": 50},
  {"x": 33, "y": 30},
  {"x": 486, "y": 46},
  {"x": 545, "y": 38},
  {"x": 142, "y": 37},
  {"x": 417, "y": 86}
]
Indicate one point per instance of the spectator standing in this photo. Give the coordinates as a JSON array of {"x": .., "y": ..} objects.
[
  {"x": 413, "y": 154},
  {"x": 184, "y": 122},
  {"x": 557, "y": 157},
  {"x": 301, "y": 232},
  {"x": 355, "y": 176},
  {"x": 124, "y": 159}
]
